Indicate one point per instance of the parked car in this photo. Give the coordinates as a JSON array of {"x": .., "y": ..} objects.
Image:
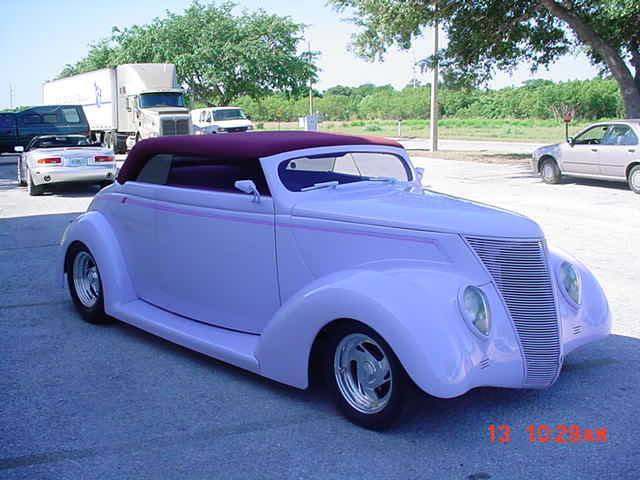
[
  {"x": 219, "y": 120},
  {"x": 18, "y": 128},
  {"x": 8, "y": 131},
  {"x": 606, "y": 150},
  {"x": 279, "y": 251},
  {"x": 53, "y": 159}
]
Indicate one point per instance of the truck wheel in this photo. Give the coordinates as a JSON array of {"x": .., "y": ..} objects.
[
  {"x": 367, "y": 381},
  {"x": 108, "y": 141},
  {"x": 85, "y": 285},
  {"x": 32, "y": 189}
]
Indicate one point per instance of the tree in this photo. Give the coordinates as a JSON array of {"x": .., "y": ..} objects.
[
  {"x": 490, "y": 35},
  {"x": 219, "y": 56}
]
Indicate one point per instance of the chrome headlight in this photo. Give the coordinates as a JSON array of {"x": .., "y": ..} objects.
[
  {"x": 475, "y": 309},
  {"x": 570, "y": 282}
]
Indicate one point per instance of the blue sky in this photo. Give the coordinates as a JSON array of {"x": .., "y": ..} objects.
[{"x": 38, "y": 37}]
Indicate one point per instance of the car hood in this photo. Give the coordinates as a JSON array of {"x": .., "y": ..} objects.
[
  {"x": 429, "y": 211},
  {"x": 547, "y": 149},
  {"x": 165, "y": 111}
]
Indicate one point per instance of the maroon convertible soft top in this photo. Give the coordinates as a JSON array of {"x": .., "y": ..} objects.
[{"x": 238, "y": 146}]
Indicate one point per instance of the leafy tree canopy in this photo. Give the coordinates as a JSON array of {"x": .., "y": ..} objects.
[
  {"x": 489, "y": 35},
  {"x": 219, "y": 56}
]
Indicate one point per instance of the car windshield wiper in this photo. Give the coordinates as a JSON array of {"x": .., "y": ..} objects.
[
  {"x": 315, "y": 186},
  {"x": 391, "y": 180}
]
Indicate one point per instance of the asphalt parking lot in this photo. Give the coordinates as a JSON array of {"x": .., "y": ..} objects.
[{"x": 79, "y": 401}]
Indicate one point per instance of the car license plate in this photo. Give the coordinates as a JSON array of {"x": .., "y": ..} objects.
[{"x": 78, "y": 162}]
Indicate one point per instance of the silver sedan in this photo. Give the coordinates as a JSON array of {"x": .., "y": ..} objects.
[
  {"x": 608, "y": 150},
  {"x": 54, "y": 159}
]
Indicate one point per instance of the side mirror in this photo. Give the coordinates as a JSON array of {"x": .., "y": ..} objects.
[
  {"x": 572, "y": 141},
  {"x": 18, "y": 149},
  {"x": 419, "y": 173},
  {"x": 247, "y": 186}
]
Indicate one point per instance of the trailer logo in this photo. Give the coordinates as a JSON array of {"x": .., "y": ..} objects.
[{"x": 98, "y": 94}]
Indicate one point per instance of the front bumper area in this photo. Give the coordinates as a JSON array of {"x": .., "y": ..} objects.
[{"x": 88, "y": 174}]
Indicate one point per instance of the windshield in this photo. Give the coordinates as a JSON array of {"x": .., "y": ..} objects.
[
  {"x": 60, "y": 141},
  {"x": 148, "y": 100},
  {"x": 305, "y": 172},
  {"x": 228, "y": 114}
]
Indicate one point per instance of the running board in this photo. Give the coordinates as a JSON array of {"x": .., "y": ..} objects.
[{"x": 227, "y": 345}]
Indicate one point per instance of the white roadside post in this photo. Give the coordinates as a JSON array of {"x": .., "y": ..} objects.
[{"x": 434, "y": 92}]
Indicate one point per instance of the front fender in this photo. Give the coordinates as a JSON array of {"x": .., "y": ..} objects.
[
  {"x": 415, "y": 310},
  {"x": 591, "y": 320},
  {"x": 93, "y": 230}
]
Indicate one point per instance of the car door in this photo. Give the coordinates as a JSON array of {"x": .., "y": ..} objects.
[
  {"x": 134, "y": 216},
  {"x": 215, "y": 245},
  {"x": 619, "y": 149},
  {"x": 583, "y": 157}
]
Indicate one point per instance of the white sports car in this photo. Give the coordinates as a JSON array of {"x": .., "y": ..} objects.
[{"x": 53, "y": 159}]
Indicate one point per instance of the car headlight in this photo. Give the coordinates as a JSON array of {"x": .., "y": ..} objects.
[
  {"x": 475, "y": 309},
  {"x": 250, "y": 127},
  {"x": 570, "y": 282}
]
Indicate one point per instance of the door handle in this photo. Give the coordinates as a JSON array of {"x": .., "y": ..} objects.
[
  {"x": 632, "y": 150},
  {"x": 594, "y": 149}
]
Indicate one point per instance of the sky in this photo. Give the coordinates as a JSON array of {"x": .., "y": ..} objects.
[{"x": 39, "y": 37}]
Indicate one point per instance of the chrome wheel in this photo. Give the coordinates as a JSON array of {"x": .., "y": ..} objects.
[
  {"x": 363, "y": 373},
  {"x": 547, "y": 172},
  {"x": 635, "y": 180},
  {"x": 86, "y": 280}
]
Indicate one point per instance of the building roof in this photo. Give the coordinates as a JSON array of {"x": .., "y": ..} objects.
[{"x": 237, "y": 147}]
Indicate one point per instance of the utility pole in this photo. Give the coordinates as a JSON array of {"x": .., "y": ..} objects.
[
  {"x": 434, "y": 89},
  {"x": 10, "y": 96},
  {"x": 310, "y": 83}
]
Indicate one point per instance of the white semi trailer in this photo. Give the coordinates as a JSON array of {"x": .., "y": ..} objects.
[{"x": 126, "y": 103}]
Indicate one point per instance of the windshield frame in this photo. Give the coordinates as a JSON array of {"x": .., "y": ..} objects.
[
  {"x": 282, "y": 167},
  {"x": 213, "y": 113},
  {"x": 32, "y": 145},
  {"x": 179, "y": 95}
]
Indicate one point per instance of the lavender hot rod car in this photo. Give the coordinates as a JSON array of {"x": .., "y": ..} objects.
[{"x": 274, "y": 251}]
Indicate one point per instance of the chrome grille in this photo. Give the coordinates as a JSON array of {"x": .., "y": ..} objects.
[
  {"x": 182, "y": 127},
  {"x": 168, "y": 127},
  {"x": 519, "y": 270}
]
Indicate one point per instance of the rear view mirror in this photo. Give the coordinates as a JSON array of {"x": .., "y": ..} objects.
[
  {"x": 247, "y": 186},
  {"x": 572, "y": 141},
  {"x": 18, "y": 149}
]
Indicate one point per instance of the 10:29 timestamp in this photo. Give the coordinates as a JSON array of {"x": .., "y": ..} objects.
[{"x": 553, "y": 434}]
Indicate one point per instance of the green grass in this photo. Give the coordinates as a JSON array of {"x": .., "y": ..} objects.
[{"x": 503, "y": 129}]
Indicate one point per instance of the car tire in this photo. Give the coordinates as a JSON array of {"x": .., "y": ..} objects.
[
  {"x": 550, "y": 172},
  {"x": 85, "y": 284},
  {"x": 634, "y": 179},
  {"x": 21, "y": 180},
  {"x": 367, "y": 381},
  {"x": 32, "y": 189}
]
